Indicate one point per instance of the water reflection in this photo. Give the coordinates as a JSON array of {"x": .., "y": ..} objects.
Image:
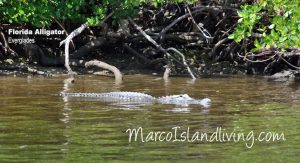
[
  {"x": 37, "y": 124},
  {"x": 66, "y": 88}
]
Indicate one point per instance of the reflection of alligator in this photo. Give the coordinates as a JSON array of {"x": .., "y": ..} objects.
[{"x": 141, "y": 98}]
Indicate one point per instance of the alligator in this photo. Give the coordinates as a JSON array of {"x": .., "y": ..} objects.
[{"x": 141, "y": 98}]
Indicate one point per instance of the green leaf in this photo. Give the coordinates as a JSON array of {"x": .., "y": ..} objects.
[
  {"x": 271, "y": 26},
  {"x": 257, "y": 44},
  {"x": 231, "y": 36}
]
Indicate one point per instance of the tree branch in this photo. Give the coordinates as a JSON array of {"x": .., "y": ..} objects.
[
  {"x": 67, "y": 42},
  {"x": 116, "y": 71},
  {"x": 157, "y": 45},
  {"x": 71, "y": 36},
  {"x": 6, "y": 45}
]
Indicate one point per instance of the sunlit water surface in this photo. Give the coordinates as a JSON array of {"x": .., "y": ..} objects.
[{"x": 37, "y": 125}]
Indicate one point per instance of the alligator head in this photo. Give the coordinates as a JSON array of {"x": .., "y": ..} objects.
[{"x": 183, "y": 100}]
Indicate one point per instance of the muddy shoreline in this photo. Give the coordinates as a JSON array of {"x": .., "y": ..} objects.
[{"x": 12, "y": 68}]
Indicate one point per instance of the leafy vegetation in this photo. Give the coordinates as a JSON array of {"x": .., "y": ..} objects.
[
  {"x": 261, "y": 25},
  {"x": 273, "y": 23},
  {"x": 42, "y": 12}
]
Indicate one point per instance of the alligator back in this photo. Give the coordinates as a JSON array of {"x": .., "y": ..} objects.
[
  {"x": 118, "y": 97},
  {"x": 139, "y": 98}
]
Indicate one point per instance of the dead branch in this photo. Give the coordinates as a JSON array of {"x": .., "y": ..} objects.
[
  {"x": 271, "y": 53},
  {"x": 255, "y": 61},
  {"x": 215, "y": 8},
  {"x": 183, "y": 60},
  {"x": 164, "y": 31},
  {"x": 3, "y": 39},
  {"x": 147, "y": 36},
  {"x": 66, "y": 32},
  {"x": 280, "y": 56},
  {"x": 67, "y": 42},
  {"x": 204, "y": 32},
  {"x": 219, "y": 43},
  {"x": 6, "y": 45},
  {"x": 71, "y": 36},
  {"x": 155, "y": 43},
  {"x": 179, "y": 37},
  {"x": 116, "y": 71}
]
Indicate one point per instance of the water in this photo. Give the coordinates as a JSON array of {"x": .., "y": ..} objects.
[{"x": 36, "y": 125}]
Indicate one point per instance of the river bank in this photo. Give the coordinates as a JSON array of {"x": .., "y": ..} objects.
[{"x": 10, "y": 67}]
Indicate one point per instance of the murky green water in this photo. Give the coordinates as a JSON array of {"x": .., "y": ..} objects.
[{"x": 38, "y": 126}]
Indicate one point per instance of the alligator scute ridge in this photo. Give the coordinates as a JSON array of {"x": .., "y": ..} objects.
[{"x": 137, "y": 97}]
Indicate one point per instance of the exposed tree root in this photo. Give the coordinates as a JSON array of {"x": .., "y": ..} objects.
[
  {"x": 103, "y": 73},
  {"x": 116, "y": 71}
]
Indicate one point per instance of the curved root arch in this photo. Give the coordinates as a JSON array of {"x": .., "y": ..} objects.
[{"x": 103, "y": 65}]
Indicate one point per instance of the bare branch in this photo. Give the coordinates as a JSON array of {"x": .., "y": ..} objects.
[
  {"x": 66, "y": 32},
  {"x": 220, "y": 42},
  {"x": 67, "y": 42},
  {"x": 164, "y": 31},
  {"x": 279, "y": 55},
  {"x": 159, "y": 46},
  {"x": 71, "y": 36},
  {"x": 204, "y": 32},
  {"x": 183, "y": 60},
  {"x": 116, "y": 71},
  {"x": 6, "y": 45},
  {"x": 255, "y": 61}
]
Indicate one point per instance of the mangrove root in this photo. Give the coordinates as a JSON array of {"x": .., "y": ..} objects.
[{"x": 116, "y": 71}]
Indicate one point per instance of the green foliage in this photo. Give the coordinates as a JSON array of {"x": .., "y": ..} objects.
[
  {"x": 248, "y": 18},
  {"x": 38, "y": 12},
  {"x": 156, "y": 3},
  {"x": 277, "y": 21},
  {"x": 42, "y": 12}
]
